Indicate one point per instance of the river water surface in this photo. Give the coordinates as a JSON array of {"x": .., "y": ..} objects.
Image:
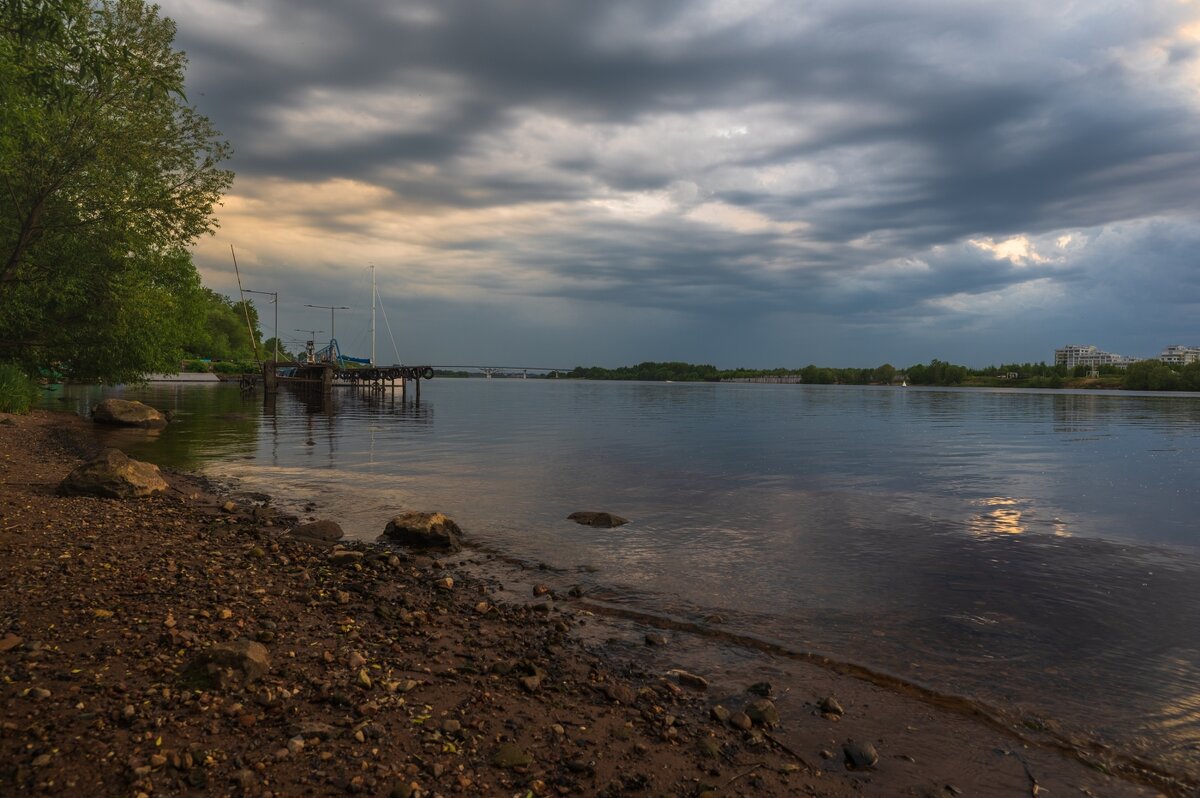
[{"x": 1038, "y": 552}]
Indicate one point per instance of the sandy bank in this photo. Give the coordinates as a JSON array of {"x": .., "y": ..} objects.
[{"x": 394, "y": 675}]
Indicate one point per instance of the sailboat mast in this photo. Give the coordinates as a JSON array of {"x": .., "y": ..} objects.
[{"x": 372, "y": 314}]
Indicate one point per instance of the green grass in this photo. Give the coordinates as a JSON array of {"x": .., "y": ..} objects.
[{"x": 17, "y": 391}]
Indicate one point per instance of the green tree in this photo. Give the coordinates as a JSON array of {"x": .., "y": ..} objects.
[
  {"x": 107, "y": 175},
  {"x": 1150, "y": 375}
]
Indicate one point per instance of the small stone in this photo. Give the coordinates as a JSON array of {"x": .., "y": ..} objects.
[
  {"x": 740, "y": 720},
  {"x": 451, "y": 726},
  {"x": 763, "y": 689},
  {"x": 224, "y": 614},
  {"x": 229, "y": 507},
  {"x": 531, "y": 684},
  {"x": 719, "y": 713},
  {"x": 511, "y": 755},
  {"x": 558, "y": 729},
  {"x": 653, "y": 639},
  {"x": 859, "y": 756},
  {"x": 762, "y": 712},
  {"x": 830, "y": 706},
  {"x": 690, "y": 680},
  {"x": 364, "y": 679},
  {"x": 445, "y": 583},
  {"x": 345, "y": 557},
  {"x": 620, "y": 694},
  {"x": 296, "y": 745},
  {"x": 541, "y": 590},
  {"x": 42, "y": 760},
  {"x": 709, "y": 747},
  {"x": 357, "y": 660}
]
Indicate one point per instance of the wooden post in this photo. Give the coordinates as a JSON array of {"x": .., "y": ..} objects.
[
  {"x": 269, "y": 378},
  {"x": 418, "y": 390},
  {"x": 327, "y": 379}
]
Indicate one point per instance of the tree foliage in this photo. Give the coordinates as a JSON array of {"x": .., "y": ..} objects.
[{"x": 107, "y": 176}]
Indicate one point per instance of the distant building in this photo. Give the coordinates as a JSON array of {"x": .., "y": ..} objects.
[
  {"x": 1073, "y": 355},
  {"x": 1180, "y": 355}
]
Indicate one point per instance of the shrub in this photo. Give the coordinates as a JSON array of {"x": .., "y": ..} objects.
[
  {"x": 234, "y": 367},
  {"x": 17, "y": 391}
]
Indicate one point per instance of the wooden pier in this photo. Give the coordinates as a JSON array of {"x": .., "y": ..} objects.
[{"x": 325, "y": 376}]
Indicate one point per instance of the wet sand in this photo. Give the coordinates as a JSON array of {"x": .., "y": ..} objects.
[{"x": 392, "y": 673}]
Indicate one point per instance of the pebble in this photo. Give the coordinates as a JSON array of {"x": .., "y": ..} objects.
[
  {"x": 541, "y": 590},
  {"x": 511, "y": 755},
  {"x": 691, "y": 680},
  {"x": 345, "y": 557},
  {"x": 740, "y": 720},
  {"x": 719, "y": 713},
  {"x": 445, "y": 583},
  {"x": 653, "y": 639},
  {"x": 762, "y": 712},
  {"x": 620, "y": 694},
  {"x": 830, "y": 706},
  {"x": 859, "y": 756}
]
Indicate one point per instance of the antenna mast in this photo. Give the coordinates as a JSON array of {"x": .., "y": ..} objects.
[{"x": 372, "y": 314}]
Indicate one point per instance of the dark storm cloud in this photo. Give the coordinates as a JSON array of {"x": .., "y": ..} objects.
[{"x": 869, "y": 142}]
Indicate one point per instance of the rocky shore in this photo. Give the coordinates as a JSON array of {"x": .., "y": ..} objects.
[{"x": 187, "y": 644}]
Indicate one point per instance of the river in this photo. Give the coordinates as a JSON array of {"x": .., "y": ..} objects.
[{"x": 1034, "y": 551}]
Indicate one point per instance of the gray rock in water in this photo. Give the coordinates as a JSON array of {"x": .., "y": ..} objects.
[
  {"x": 125, "y": 413},
  {"x": 424, "y": 531},
  {"x": 597, "y": 519},
  {"x": 317, "y": 532},
  {"x": 113, "y": 475},
  {"x": 859, "y": 756}
]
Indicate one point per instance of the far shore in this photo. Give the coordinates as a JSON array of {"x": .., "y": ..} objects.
[{"x": 401, "y": 673}]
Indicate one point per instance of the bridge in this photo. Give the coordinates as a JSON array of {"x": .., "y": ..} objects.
[{"x": 508, "y": 371}]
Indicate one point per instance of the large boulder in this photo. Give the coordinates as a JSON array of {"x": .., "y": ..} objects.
[
  {"x": 113, "y": 475},
  {"x": 598, "y": 519},
  {"x": 424, "y": 531},
  {"x": 126, "y": 413}
]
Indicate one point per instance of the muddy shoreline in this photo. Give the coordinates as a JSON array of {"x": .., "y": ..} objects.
[{"x": 399, "y": 674}]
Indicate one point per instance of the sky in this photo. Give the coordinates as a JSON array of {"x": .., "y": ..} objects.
[{"x": 756, "y": 183}]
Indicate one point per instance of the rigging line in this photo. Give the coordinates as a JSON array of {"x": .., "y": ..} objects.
[
  {"x": 389, "y": 328},
  {"x": 245, "y": 307}
]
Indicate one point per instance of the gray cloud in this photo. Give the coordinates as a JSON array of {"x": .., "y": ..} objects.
[{"x": 826, "y": 164}]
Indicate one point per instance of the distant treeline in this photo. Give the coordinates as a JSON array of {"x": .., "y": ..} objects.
[{"x": 1145, "y": 375}]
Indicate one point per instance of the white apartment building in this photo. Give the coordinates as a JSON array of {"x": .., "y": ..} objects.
[
  {"x": 1180, "y": 355},
  {"x": 1073, "y": 355}
]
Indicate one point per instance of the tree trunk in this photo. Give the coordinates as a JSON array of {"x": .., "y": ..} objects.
[{"x": 30, "y": 228}]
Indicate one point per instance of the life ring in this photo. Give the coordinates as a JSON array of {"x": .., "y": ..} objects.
[{"x": 427, "y": 373}]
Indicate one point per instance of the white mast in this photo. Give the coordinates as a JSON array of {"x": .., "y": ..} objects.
[{"x": 372, "y": 314}]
